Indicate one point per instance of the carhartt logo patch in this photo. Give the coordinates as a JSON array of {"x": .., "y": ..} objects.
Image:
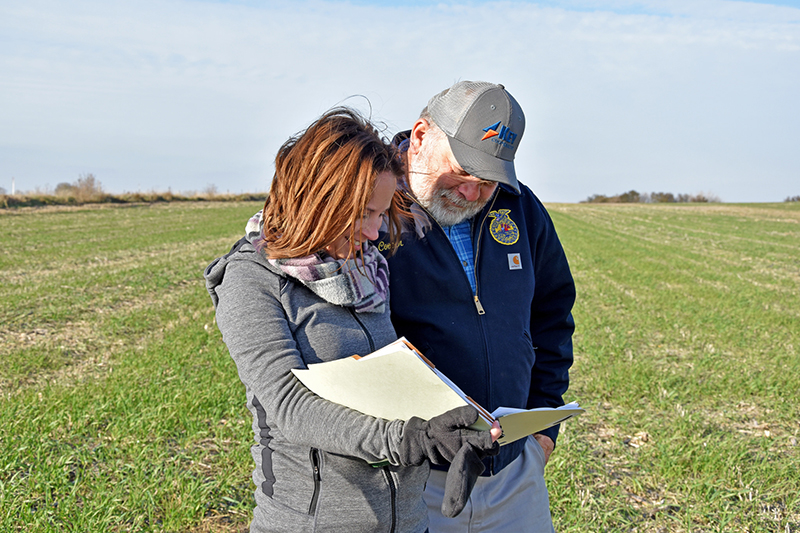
[
  {"x": 514, "y": 262},
  {"x": 502, "y": 228}
]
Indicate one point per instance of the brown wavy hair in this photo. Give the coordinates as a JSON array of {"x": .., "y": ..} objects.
[{"x": 324, "y": 179}]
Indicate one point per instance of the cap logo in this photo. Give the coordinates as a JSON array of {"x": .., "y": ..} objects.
[{"x": 500, "y": 135}]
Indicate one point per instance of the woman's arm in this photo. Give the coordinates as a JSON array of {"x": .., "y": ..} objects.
[{"x": 255, "y": 329}]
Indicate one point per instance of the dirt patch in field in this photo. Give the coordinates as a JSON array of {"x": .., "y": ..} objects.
[
  {"x": 223, "y": 523},
  {"x": 73, "y": 346}
]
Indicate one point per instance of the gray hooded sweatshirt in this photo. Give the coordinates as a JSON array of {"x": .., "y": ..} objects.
[{"x": 313, "y": 458}]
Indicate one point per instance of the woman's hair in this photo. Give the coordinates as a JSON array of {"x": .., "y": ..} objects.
[{"x": 324, "y": 179}]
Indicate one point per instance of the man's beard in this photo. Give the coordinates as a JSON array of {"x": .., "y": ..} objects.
[{"x": 446, "y": 206}]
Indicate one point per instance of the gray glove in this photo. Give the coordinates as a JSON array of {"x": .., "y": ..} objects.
[
  {"x": 464, "y": 470},
  {"x": 440, "y": 438}
]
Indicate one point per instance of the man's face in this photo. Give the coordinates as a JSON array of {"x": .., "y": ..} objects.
[{"x": 441, "y": 186}]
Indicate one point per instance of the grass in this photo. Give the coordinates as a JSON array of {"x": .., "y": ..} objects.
[
  {"x": 120, "y": 409},
  {"x": 688, "y": 329}
]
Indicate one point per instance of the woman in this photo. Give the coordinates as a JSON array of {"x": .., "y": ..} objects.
[{"x": 306, "y": 286}]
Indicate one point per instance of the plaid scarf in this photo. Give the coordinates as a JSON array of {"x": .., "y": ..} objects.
[{"x": 361, "y": 283}]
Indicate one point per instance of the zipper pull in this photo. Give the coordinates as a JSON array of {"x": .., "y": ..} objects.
[{"x": 479, "y": 306}]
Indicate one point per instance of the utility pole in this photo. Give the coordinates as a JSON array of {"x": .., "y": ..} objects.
[{"x": 13, "y": 186}]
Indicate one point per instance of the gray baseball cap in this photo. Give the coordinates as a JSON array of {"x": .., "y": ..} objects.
[{"x": 484, "y": 125}]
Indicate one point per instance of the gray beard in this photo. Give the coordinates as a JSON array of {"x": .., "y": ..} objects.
[{"x": 445, "y": 213}]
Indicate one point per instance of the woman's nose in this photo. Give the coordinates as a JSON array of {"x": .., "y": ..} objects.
[{"x": 370, "y": 229}]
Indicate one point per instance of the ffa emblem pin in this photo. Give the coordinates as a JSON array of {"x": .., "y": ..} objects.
[{"x": 502, "y": 228}]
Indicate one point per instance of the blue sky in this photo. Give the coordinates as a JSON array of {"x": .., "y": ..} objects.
[{"x": 682, "y": 96}]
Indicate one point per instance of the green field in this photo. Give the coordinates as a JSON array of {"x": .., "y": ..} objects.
[{"x": 120, "y": 409}]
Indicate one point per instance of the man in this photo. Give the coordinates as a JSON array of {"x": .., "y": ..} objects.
[{"x": 482, "y": 287}]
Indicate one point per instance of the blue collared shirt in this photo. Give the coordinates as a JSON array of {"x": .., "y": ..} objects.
[{"x": 461, "y": 240}]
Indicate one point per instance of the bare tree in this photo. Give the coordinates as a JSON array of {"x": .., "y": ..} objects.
[{"x": 87, "y": 188}]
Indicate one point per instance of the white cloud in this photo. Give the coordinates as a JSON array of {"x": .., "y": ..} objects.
[{"x": 671, "y": 96}]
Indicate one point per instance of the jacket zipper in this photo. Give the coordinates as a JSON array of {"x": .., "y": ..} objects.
[
  {"x": 366, "y": 331},
  {"x": 393, "y": 494},
  {"x": 314, "y": 455},
  {"x": 477, "y": 301},
  {"x": 478, "y": 305}
]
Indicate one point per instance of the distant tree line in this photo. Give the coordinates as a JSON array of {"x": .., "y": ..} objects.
[
  {"x": 634, "y": 197},
  {"x": 87, "y": 189}
]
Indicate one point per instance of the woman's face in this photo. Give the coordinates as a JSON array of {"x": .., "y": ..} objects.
[{"x": 367, "y": 228}]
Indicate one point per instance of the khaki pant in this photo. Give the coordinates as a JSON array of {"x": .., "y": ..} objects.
[{"x": 515, "y": 499}]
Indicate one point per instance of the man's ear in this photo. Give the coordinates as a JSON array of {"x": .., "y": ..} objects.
[{"x": 418, "y": 132}]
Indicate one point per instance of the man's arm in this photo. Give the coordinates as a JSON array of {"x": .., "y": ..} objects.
[{"x": 552, "y": 325}]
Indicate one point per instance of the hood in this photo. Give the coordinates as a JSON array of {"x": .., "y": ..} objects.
[{"x": 244, "y": 249}]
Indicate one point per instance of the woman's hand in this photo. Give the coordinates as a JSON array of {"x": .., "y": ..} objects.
[
  {"x": 464, "y": 470},
  {"x": 439, "y": 439}
]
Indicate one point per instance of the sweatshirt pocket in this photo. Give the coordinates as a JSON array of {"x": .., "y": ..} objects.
[
  {"x": 392, "y": 485},
  {"x": 316, "y": 464},
  {"x": 529, "y": 344}
]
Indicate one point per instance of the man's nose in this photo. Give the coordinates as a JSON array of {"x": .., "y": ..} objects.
[{"x": 470, "y": 191}]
